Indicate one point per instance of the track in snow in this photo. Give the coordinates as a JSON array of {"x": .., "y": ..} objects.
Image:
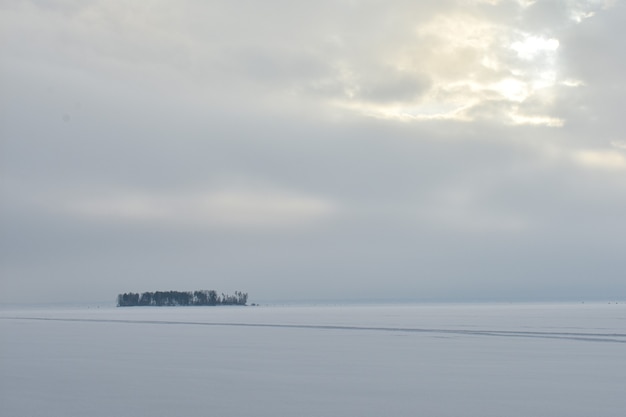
[{"x": 587, "y": 337}]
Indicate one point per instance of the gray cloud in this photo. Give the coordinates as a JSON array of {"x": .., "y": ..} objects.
[{"x": 312, "y": 151}]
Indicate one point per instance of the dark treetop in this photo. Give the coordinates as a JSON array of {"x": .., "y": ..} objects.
[{"x": 181, "y": 298}]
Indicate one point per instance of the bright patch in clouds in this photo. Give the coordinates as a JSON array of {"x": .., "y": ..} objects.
[
  {"x": 608, "y": 159},
  {"x": 530, "y": 47},
  {"x": 572, "y": 83},
  {"x": 512, "y": 89},
  {"x": 229, "y": 208},
  {"x": 467, "y": 58},
  {"x": 521, "y": 119}
]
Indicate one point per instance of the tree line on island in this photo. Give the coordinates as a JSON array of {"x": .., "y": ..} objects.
[{"x": 181, "y": 298}]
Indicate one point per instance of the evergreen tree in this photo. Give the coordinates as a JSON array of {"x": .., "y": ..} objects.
[{"x": 181, "y": 298}]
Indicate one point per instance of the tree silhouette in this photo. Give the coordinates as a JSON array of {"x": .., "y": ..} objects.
[{"x": 181, "y": 298}]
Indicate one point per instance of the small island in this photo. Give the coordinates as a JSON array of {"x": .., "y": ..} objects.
[{"x": 181, "y": 298}]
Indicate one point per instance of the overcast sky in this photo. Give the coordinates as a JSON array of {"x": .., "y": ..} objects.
[{"x": 436, "y": 150}]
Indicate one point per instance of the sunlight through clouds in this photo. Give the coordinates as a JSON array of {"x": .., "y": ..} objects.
[
  {"x": 467, "y": 58},
  {"x": 604, "y": 159},
  {"x": 531, "y": 46}
]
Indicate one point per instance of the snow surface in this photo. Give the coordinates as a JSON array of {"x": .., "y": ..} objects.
[{"x": 312, "y": 361}]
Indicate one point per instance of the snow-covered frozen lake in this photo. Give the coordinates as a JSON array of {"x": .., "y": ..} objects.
[{"x": 313, "y": 361}]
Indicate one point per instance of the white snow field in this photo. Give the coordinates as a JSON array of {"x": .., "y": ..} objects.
[{"x": 480, "y": 360}]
